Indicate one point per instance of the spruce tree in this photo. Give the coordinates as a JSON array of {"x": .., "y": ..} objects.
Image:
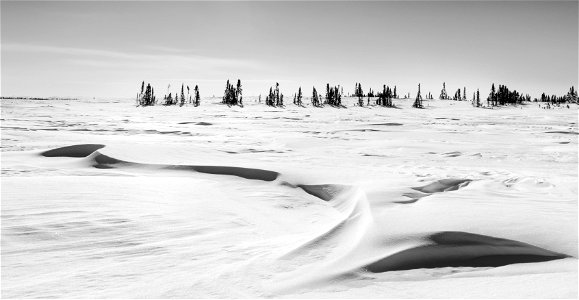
[
  {"x": 139, "y": 99},
  {"x": 269, "y": 98},
  {"x": 443, "y": 95},
  {"x": 147, "y": 97},
  {"x": 182, "y": 95},
  {"x": 225, "y": 94},
  {"x": 238, "y": 92},
  {"x": 314, "y": 97},
  {"x": 571, "y": 95},
  {"x": 418, "y": 101},
  {"x": 493, "y": 95},
  {"x": 360, "y": 95},
  {"x": 197, "y": 97},
  {"x": 327, "y": 94},
  {"x": 277, "y": 96}
]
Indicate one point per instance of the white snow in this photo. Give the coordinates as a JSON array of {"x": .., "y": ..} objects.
[{"x": 160, "y": 224}]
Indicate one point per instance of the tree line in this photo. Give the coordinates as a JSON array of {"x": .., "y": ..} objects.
[
  {"x": 333, "y": 96},
  {"x": 505, "y": 96},
  {"x": 571, "y": 96}
]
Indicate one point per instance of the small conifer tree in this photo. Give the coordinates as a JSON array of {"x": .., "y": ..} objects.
[
  {"x": 197, "y": 97},
  {"x": 418, "y": 101},
  {"x": 443, "y": 94}
]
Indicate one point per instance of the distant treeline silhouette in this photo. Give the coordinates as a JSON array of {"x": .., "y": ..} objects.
[
  {"x": 504, "y": 96},
  {"x": 37, "y": 98},
  {"x": 333, "y": 97},
  {"x": 553, "y": 99}
]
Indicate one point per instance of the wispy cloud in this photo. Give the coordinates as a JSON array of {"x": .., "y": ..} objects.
[
  {"x": 84, "y": 69},
  {"x": 163, "y": 56}
]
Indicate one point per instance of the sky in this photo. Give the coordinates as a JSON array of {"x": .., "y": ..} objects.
[{"x": 107, "y": 48}]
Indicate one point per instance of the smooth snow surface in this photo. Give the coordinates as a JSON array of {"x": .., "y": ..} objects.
[{"x": 104, "y": 199}]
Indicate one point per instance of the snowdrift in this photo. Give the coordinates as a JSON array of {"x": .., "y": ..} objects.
[{"x": 445, "y": 249}]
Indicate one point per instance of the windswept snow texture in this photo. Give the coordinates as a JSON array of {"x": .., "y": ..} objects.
[{"x": 101, "y": 199}]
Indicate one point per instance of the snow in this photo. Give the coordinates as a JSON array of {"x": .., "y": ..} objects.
[{"x": 219, "y": 202}]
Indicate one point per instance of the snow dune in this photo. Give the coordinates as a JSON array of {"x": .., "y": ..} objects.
[
  {"x": 73, "y": 151},
  {"x": 444, "y": 249},
  {"x": 463, "y": 249},
  {"x": 101, "y": 161},
  {"x": 438, "y": 186}
]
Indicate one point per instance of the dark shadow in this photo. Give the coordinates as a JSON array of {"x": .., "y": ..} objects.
[
  {"x": 443, "y": 185},
  {"x": 463, "y": 249},
  {"x": 101, "y": 161},
  {"x": 83, "y": 150},
  {"x": 325, "y": 192}
]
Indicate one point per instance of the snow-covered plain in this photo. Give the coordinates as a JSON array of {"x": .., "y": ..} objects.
[{"x": 185, "y": 202}]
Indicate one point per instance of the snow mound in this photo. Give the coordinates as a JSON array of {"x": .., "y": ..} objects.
[
  {"x": 463, "y": 249},
  {"x": 83, "y": 150},
  {"x": 102, "y": 161},
  {"x": 443, "y": 185},
  {"x": 439, "y": 186},
  {"x": 360, "y": 240}
]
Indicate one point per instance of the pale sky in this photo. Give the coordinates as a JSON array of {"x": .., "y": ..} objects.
[{"x": 105, "y": 49}]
